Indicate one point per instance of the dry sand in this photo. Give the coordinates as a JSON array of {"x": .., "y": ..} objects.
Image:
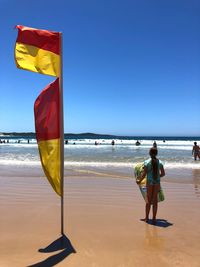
[{"x": 102, "y": 222}]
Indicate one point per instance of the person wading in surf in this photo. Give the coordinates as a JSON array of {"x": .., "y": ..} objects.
[
  {"x": 154, "y": 170},
  {"x": 196, "y": 151}
]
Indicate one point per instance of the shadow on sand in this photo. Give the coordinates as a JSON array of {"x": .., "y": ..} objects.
[
  {"x": 62, "y": 243},
  {"x": 159, "y": 223}
]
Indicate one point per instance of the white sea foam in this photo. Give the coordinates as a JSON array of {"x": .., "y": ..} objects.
[
  {"x": 174, "y": 153},
  {"x": 132, "y": 142},
  {"x": 79, "y": 145},
  {"x": 171, "y": 165},
  {"x": 127, "y": 146},
  {"x": 19, "y": 162},
  {"x": 91, "y": 142},
  {"x": 132, "y": 165}
]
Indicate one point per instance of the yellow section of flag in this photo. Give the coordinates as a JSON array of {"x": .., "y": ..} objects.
[
  {"x": 35, "y": 59},
  {"x": 50, "y": 158}
]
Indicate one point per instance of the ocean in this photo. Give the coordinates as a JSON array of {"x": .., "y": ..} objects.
[{"x": 175, "y": 152}]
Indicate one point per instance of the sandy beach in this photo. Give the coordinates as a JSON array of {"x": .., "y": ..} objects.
[{"x": 102, "y": 221}]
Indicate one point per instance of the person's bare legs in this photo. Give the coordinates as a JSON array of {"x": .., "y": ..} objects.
[
  {"x": 156, "y": 189},
  {"x": 149, "y": 200},
  {"x": 147, "y": 210}
]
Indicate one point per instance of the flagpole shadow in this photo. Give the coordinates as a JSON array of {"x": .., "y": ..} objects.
[{"x": 62, "y": 243}]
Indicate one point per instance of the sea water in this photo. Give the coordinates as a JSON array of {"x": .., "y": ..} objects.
[{"x": 175, "y": 152}]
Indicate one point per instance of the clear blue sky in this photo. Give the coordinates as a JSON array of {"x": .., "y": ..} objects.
[{"x": 130, "y": 67}]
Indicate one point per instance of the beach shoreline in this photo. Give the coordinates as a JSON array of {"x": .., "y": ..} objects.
[
  {"x": 102, "y": 221},
  {"x": 175, "y": 175}
]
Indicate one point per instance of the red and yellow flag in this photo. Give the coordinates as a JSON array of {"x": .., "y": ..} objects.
[
  {"x": 38, "y": 50},
  {"x": 47, "y": 125}
]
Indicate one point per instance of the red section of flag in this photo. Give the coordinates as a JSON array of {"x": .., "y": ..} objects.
[
  {"x": 47, "y": 113},
  {"x": 43, "y": 39}
]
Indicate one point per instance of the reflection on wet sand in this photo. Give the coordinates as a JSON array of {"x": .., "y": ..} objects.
[
  {"x": 152, "y": 238},
  {"x": 196, "y": 180}
]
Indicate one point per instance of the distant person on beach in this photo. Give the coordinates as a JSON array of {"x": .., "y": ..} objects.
[
  {"x": 196, "y": 151},
  {"x": 154, "y": 170},
  {"x": 137, "y": 143},
  {"x": 154, "y": 144},
  {"x": 113, "y": 143}
]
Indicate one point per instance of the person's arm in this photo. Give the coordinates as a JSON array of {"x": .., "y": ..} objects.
[
  {"x": 192, "y": 150},
  {"x": 162, "y": 171},
  {"x": 144, "y": 173}
]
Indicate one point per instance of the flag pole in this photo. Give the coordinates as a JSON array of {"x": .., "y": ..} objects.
[{"x": 61, "y": 135}]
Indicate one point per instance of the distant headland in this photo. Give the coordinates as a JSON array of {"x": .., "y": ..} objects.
[{"x": 88, "y": 135}]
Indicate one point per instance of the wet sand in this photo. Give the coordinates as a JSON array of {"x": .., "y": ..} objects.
[{"x": 102, "y": 221}]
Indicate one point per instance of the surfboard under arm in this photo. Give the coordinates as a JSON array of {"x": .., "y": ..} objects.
[{"x": 142, "y": 186}]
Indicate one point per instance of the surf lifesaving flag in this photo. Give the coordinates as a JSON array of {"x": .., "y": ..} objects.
[
  {"x": 47, "y": 125},
  {"x": 38, "y": 50}
]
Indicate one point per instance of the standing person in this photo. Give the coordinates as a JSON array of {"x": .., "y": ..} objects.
[
  {"x": 154, "y": 144},
  {"x": 137, "y": 143},
  {"x": 154, "y": 170},
  {"x": 196, "y": 151}
]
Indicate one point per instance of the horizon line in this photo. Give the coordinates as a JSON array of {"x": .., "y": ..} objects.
[{"x": 116, "y": 135}]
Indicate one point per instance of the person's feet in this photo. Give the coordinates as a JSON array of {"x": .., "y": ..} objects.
[
  {"x": 145, "y": 220},
  {"x": 154, "y": 221}
]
